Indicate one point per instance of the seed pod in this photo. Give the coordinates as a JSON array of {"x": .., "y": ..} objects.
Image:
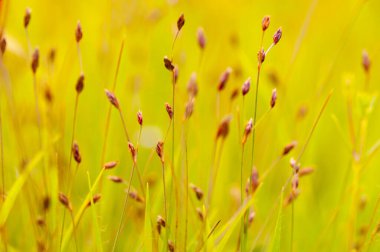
[
  {"x": 295, "y": 182},
  {"x": 78, "y": 32},
  {"x": 161, "y": 221},
  {"x": 247, "y": 131},
  {"x": 224, "y": 78},
  {"x": 277, "y": 36},
  {"x": 200, "y": 214},
  {"x": 112, "y": 98},
  {"x": 305, "y": 171},
  {"x": 76, "y": 153},
  {"x": 27, "y": 17},
  {"x": 169, "y": 110},
  {"x": 46, "y": 203},
  {"x": 366, "y": 62},
  {"x": 246, "y": 86},
  {"x": 192, "y": 86},
  {"x": 80, "y": 84},
  {"x": 95, "y": 199},
  {"x": 201, "y": 38},
  {"x": 64, "y": 201},
  {"x": 133, "y": 151},
  {"x": 180, "y": 22},
  {"x": 198, "y": 192},
  {"x": 134, "y": 195},
  {"x": 289, "y": 147},
  {"x": 160, "y": 150},
  {"x": 273, "y": 98},
  {"x": 265, "y": 23},
  {"x": 110, "y": 165},
  {"x": 223, "y": 127},
  {"x": 140, "y": 118},
  {"x": 253, "y": 182},
  {"x": 234, "y": 94},
  {"x": 168, "y": 64},
  {"x": 189, "y": 108},
  {"x": 35, "y": 60},
  {"x": 261, "y": 56},
  {"x": 115, "y": 179},
  {"x": 3, "y": 45}
]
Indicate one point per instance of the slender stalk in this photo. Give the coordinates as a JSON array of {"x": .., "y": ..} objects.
[
  {"x": 242, "y": 236},
  {"x": 2, "y": 158},
  {"x": 75, "y": 231}
]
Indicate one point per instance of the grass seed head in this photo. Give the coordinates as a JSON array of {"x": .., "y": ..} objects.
[
  {"x": 76, "y": 153},
  {"x": 294, "y": 165},
  {"x": 198, "y": 192},
  {"x": 64, "y": 201},
  {"x": 134, "y": 195},
  {"x": 192, "y": 86},
  {"x": 95, "y": 199},
  {"x": 3, "y": 44},
  {"x": 169, "y": 110},
  {"x": 80, "y": 84},
  {"x": 133, "y": 151},
  {"x": 168, "y": 64},
  {"x": 273, "y": 98},
  {"x": 289, "y": 147},
  {"x": 115, "y": 179},
  {"x": 366, "y": 62},
  {"x": 246, "y": 86},
  {"x": 253, "y": 182},
  {"x": 160, "y": 150},
  {"x": 223, "y": 128},
  {"x": 189, "y": 108},
  {"x": 35, "y": 60},
  {"x": 112, "y": 98},
  {"x": 277, "y": 36},
  {"x": 110, "y": 165},
  {"x": 201, "y": 38},
  {"x": 265, "y": 23},
  {"x": 78, "y": 32},
  {"x": 261, "y": 56},
  {"x": 180, "y": 22},
  {"x": 140, "y": 118},
  {"x": 175, "y": 74},
  {"x": 251, "y": 217},
  {"x": 200, "y": 214},
  {"x": 27, "y": 17},
  {"x": 247, "y": 130},
  {"x": 224, "y": 78},
  {"x": 234, "y": 94},
  {"x": 305, "y": 171},
  {"x": 161, "y": 221}
]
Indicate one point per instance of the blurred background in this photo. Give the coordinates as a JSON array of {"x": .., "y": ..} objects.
[{"x": 321, "y": 51}]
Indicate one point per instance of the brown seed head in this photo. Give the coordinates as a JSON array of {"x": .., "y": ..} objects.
[
  {"x": 175, "y": 74},
  {"x": 46, "y": 203},
  {"x": 112, "y": 98},
  {"x": 289, "y": 147},
  {"x": 253, "y": 182},
  {"x": 198, "y": 192},
  {"x": 160, "y": 150},
  {"x": 169, "y": 110},
  {"x": 189, "y": 108},
  {"x": 305, "y": 171},
  {"x": 78, "y": 32},
  {"x": 161, "y": 221},
  {"x": 234, "y": 94},
  {"x": 3, "y": 45},
  {"x": 246, "y": 86},
  {"x": 294, "y": 165},
  {"x": 168, "y": 63},
  {"x": 277, "y": 36},
  {"x": 64, "y": 201},
  {"x": 133, "y": 151},
  {"x": 110, "y": 165},
  {"x": 35, "y": 60},
  {"x": 295, "y": 182},
  {"x": 261, "y": 56},
  {"x": 192, "y": 86},
  {"x": 366, "y": 62},
  {"x": 140, "y": 118},
  {"x": 224, "y": 78},
  {"x": 247, "y": 131},
  {"x": 273, "y": 98},
  {"x": 95, "y": 199},
  {"x": 51, "y": 55},
  {"x": 180, "y": 22},
  {"x": 76, "y": 153},
  {"x": 134, "y": 195},
  {"x": 201, "y": 38},
  {"x": 48, "y": 94},
  {"x": 115, "y": 179},
  {"x": 200, "y": 214},
  {"x": 80, "y": 84},
  {"x": 224, "y": 127},
  {"x": 265, "y": 23},
  {"x": 27, "y": 17}
]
